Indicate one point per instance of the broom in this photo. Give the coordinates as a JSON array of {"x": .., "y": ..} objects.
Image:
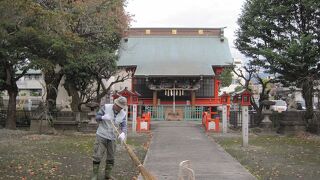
[{"x": 144, "y": 172}]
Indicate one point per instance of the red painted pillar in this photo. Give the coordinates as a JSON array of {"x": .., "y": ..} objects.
[
  {"x": 228, "y": 107},
  {"x": 217, "y": 81},
  {"x": 154, "y": 98},
  {"x": 193, "y": 98},
  {"x": 216, "y": 86}
]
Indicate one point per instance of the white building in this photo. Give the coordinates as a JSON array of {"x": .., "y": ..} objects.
[
  {"x": 31, "y": 84},
  {"x": 31, "y": 89}
]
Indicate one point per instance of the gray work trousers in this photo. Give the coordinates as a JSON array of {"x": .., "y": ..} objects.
[{"x": 100, "y": 146}]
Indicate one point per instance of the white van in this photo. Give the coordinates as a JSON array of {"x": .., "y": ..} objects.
[{"x": 279, "y": 106}]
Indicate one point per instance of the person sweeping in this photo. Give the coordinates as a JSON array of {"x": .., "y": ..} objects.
[{"x": 107, "y": 116}]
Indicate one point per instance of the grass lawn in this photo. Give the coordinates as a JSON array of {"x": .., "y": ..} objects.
[
  {"x": 271, "y": 156},
  {"x": 25, "y": 155}
]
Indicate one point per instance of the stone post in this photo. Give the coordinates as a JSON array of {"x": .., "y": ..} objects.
[
  {"x": 245, "y": 126},
  {"x": 134, "y": 118},
  {"x": 224, "y": 119}
]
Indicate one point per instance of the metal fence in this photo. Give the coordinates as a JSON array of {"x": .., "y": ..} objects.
[
  {"x": 236, "y": 118},
  {"x": 193, "y": 113},
  {"x": 158, "y": 113}
]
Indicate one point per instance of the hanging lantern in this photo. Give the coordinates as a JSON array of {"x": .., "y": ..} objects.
[
  {"x": 224, "y": 98},
  {"x": 245, "y": 98},
  {"x": 236, "y": 99}
]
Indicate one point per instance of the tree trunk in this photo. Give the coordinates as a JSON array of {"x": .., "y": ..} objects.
[
  {"x": 258, "y": 108},
  {"x": 75, "y": 97},
  {"x": 259, "y": 115},
  {"x": 51, "y": 99},
  {"x": 75, "y": 101},
  {"x": 52, "y": 80},
  {"x": 11, "y": 112},
  {"x": 307, "y": 93}
]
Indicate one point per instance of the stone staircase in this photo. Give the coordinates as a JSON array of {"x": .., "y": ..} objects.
[{"x": 87, "y": 128}]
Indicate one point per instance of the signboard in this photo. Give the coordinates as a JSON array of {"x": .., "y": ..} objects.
[
  {"x": 144, "y": 126},
  {"x": 212, "y": 125}
]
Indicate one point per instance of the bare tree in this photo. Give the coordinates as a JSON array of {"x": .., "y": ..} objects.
[{"x": 250, "y": 73}]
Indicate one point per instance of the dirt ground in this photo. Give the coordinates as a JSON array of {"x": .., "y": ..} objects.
[
  {"x": 271, "y": 156},
  {"x": 26, "y": 155}
]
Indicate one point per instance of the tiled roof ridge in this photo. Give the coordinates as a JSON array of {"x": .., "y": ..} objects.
[{"x": 218, "y": 32}]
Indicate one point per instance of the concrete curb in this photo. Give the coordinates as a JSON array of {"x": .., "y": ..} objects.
[{"x": 146, "y": 157}]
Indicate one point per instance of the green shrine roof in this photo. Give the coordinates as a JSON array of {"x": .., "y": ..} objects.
[{"x": 157, "y": 55}]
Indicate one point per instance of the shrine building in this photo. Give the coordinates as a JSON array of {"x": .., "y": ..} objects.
[{"x": 176, "y": 70}]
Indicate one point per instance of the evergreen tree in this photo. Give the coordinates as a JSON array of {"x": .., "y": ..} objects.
[
  {"x": 226, "y": 77},
  {"x": 58, "y": 37},
  {"x": 283, "y": 36},
  {"x": 25, "y": 42},
  {"x": 101, "y": 24},
  {"x": 97, "y": 27}
]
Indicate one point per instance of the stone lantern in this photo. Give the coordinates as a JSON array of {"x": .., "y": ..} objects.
[
  {"x": 92, "y": 113},
  {"x": 266, "y": 112}
]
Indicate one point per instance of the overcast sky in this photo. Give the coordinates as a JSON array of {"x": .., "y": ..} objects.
[{"x": 188, "y": 13}]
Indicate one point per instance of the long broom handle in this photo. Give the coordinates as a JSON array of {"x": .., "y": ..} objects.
[
  {"x": 145, "y": 174},
  {"x": 131, "y": 153}
]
